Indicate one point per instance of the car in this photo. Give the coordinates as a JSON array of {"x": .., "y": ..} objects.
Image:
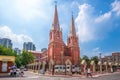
[{"x": 59, "y": 68}]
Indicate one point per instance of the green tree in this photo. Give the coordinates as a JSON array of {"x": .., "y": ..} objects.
[
  {"x": 26, "y": 58},
  {"x": 18, "y": 61},
  {"x": 23, "y": 59},
  {"x": 95, "y": 58},
  {"x": 86, "y": 59},
  {"x": 7, "y": 51}
]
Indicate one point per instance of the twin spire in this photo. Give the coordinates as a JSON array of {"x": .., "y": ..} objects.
[
  {"x": 72, "y": 28},
  {"x": 55, "y": 23}
]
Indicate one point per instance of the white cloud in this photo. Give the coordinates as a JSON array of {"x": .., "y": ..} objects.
[
  {"x": 107, "y": 16},
  {"x": 17, "y": 39},
  {"x": 93, "y": 27},
  {"x": 96, "y": 50},
  {"x": 103, "y": 17},
  {"x": 116, "y": 7},
  {"x": 83, "y": 22},
  {"x": 26, "y": 10}
]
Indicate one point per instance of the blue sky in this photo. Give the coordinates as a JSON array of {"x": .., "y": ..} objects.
[{"x": 97, "y": 23}]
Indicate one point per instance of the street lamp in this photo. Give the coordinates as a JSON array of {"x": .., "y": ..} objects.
[
  {"x": 62, "y": 59},
  {"x": 100, "y": 57}
]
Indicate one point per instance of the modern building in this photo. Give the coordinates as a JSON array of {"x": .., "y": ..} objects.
[
  {"x": 5, "y": 42},
  {"x": 58, "y": 52},
  {"x": 29, "y": 46},
  {"x": 43, "y": 49},
  {"x": 17, "y": 50}
]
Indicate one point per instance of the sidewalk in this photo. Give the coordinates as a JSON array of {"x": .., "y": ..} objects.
[
  {"x": 104, "y": 74},
  {"x": 74, "y": 75}
]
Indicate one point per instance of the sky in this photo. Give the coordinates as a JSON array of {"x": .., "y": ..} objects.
[{"x": 97, "y": 23}]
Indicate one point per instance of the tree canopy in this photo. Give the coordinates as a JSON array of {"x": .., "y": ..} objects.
[
  {"x": 23, "y": 59},
  {"x": 88, "y": 60}
]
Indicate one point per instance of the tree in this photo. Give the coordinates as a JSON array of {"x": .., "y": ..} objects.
[
  {"x": 7, "y": 51},
  {"x": 18, "y": 61},
  {"x": 86, "y": 59},
  {"x": 95, "y": 58},
  {"x": 23, "y": 59},
  {"x": 26, "y": 58}
]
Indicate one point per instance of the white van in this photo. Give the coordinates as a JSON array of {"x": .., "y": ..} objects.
[
  {"x": 59, "y": 68},
  {"x": 74, "y": 68}
]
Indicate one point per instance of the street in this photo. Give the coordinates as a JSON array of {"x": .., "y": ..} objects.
[{"x": 32, "y": 76}]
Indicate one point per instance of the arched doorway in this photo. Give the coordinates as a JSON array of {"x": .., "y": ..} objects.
[
  {"x": 51, "y": 64},
  {"x": 68, "y": 67}
]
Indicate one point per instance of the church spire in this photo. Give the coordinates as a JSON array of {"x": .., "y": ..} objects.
[
  {"x": 55, "y": 23},
  {"x": 72, "y": 28}
]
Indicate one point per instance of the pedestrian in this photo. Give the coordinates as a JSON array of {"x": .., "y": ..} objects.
[
  {"x": 89, "y": 72},
  {"x": 11, "y": 73},
  {"x": 14, "y": 70},
  {"x": 85, "y": 71},
  {"x": 21, "y": 72}
]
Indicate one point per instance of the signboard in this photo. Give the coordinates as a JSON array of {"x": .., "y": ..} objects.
[
  {"x": 4, "y": 66},
  {"x": 7, "y": 58}
]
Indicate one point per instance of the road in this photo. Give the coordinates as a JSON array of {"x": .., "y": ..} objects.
[{"x": 31, "y": 76}]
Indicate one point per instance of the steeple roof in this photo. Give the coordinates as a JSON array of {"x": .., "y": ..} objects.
[
  {"x": 55, "y": 23},
  {"x": 72, "y": 28}
]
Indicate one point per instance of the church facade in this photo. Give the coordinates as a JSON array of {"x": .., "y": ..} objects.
[{"x": 58, "y": 51}]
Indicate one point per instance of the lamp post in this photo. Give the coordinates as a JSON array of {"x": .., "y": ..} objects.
[
  {"x": 53, "y": 66},
  {"x": 62, "y": 59},
  {"x": 100, "y": 57},
  {"x": 101, "y": 62}
]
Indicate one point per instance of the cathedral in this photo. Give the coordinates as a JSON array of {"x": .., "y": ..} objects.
[
  {"x": 59, "y": 55},
  {"x": 58, "y": 51}
]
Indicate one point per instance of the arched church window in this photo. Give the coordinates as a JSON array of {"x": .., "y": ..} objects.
[
  {"x": 58, "y": 35},
  {"x": 50, "y": 35},
  {"x": 69, "y": 40}
]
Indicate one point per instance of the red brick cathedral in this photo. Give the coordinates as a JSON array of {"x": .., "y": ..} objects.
[{"x": 59, "y": 52}]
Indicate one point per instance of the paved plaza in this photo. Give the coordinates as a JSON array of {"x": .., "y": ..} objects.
[{"x": 32, "y": 76}]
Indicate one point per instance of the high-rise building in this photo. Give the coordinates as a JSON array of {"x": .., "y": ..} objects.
[
  {"x": 29, "y": 46},
  {"x": 5, "y": 42},
  {"x": 17, "y": 50}
]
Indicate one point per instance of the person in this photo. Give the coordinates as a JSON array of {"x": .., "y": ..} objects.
[
  {"x": 21, "y": 72},
  {"x": 14, "y": 70},
  {"x": 11, "y": 72},
  {"x": 86, "y": 71},
  {"x": 89, "y": 72},
  {"x": 80, "y": 71},
  {"x": 17, "y": 72}
]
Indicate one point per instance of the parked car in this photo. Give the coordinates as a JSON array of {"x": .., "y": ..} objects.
[{"x": 59, "y": 68}]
